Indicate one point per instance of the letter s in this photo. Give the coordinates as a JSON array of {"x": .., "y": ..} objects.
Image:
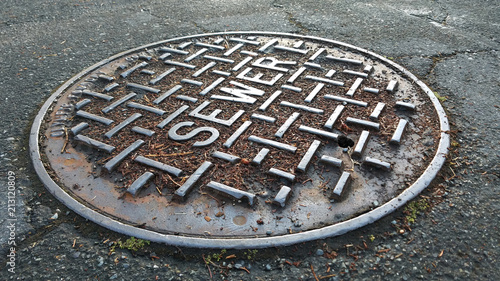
[{"x": 172, "y": 134}]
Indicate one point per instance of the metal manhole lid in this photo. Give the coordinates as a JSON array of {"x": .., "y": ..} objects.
[{"x": 239, "y": 140}]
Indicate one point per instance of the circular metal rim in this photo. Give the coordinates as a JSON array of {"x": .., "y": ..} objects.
[{"x": 244, "y": 243}]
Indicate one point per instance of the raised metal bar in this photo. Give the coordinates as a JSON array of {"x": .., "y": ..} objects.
[
  {"x": 129, "y": 71},
  {"x": 257, "y": 160},
  {"x": 205, "y": 45},
  {"x": 368, "y": 69},
  {"x": 95, "y": 143},
  {"x": 296, "y": 74},
  {"x": 242, "y": 63},
  {"x": 232, "y": 192},
  {"x": 195, "y": 55},
  {"x": 139, "y": 183},
  {"x": 118, "y": 102},
  {"x": 293, "y": 50},
  {"x": 142, "y": 131},
  {"x": 172, "y": 116},
  {"x": 184, "y": 45},
  {"x": 230, "y": 141},
  {"x": 263, "y": 117},
  {"x": 321, "y": 133},
  {"x": 351, "y": 101},
  {"x": 332, "y": 161},
  {"x": 173, "y": 51},
  {"x": 249, "y": 53},
  {"x": 161, "y": 76},
  {"x": 205, "y": 68},
  {"x": 377, "y": 163},
  {"x": 346, "y": 60},
  {"x": 267, "y": 45},
  {"x": 316, "y": 55},
  {"x": 313, "y": 65},
  {"x": 371, "y": 90},
  {"x": 159, "y": 165},
  {"x": 177, "y": 63},
  {"x": 167, "y": 94},
  {"x": 80, "y": 127},
  {"x": 357, "y": 73},
  {"x": 272, "y": 143},
  {"x": 361, "y": 145},
  {"x": 164, "y": 56},
  {"x": 212, "y": 86},
  {"x": 223, "y": 73},
  {"x": 314, "y": 92},
  {"x": 97, "y": 95},
  {"x": 240, "y": 40},
  {"x": 82, "y": 103},
  {"x": 302, "y": 107},
  {"x": 291, "y": 88},
  {"x": 148, "y": 72},
  {"x": 304, "y": 162},
  {"x": 111, "y": 86},
  {"x": 270, "y": 100},
  {"x": 396, "y": 137},
  {"x": 354, "y": 87},
  {"x": 392, "y": 86},
  {"x": 330, "y": 73},
  {"x": 109, "y": 134},
  {"x": 282, "y": 197},
  {"x": 226, "y": 156},
  {"x": 90, "y": 116},
  {"x": 111, "y": 164},
  {"x": 282, "y": 130},
  {"x": 377, "y": 111},
  {"x": 192, "y": 82},
  {"x": 233, "y": 49},
  {"x": 324, "y": 80},
  {"x": 363, "y": 123},
  {"x": 283, "y": 174},
  {"x": 218, "y": 59},
  {"x": 188, "y": 185},
  {"x": 340, "y": 187},
  {"x": 335, "y": 115},
  {"x": 405, "y": 105},
  {"x": 106, "y": 77},
  {"x": 142, "y": 87},
  {"x": 146, "y": 108}
]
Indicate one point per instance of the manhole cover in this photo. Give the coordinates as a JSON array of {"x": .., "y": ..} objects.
[{"x": 239, "y": 140}]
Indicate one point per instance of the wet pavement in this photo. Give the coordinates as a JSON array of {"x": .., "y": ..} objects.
[{"x": 451, "y": 46}]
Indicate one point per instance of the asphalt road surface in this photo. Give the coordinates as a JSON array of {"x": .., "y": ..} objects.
[{"x": 451, "y": 45}]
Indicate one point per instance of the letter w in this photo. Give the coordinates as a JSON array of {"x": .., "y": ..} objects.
[{"x": 240, "y": 94}]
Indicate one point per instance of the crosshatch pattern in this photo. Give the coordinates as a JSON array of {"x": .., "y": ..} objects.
[
  {"x": 170, "y": 108},
  {"x": 267, "y": 122}
]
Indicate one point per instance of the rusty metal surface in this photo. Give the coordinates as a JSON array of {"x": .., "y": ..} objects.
[{"x": 237, "y": 140}]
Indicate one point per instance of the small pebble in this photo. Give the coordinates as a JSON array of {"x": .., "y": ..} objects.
[
  {"x": 268, "y": 267},
  {"x": 100, "y": 260},
  {"x": 113, "y": 277},
  {"x": 319, "y": 252}
]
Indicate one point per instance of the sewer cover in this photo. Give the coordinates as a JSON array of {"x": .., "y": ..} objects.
[{"x": 240, "y": 139}]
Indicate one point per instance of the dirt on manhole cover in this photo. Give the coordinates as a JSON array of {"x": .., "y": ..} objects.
[{"x": 239, "y": 140}]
